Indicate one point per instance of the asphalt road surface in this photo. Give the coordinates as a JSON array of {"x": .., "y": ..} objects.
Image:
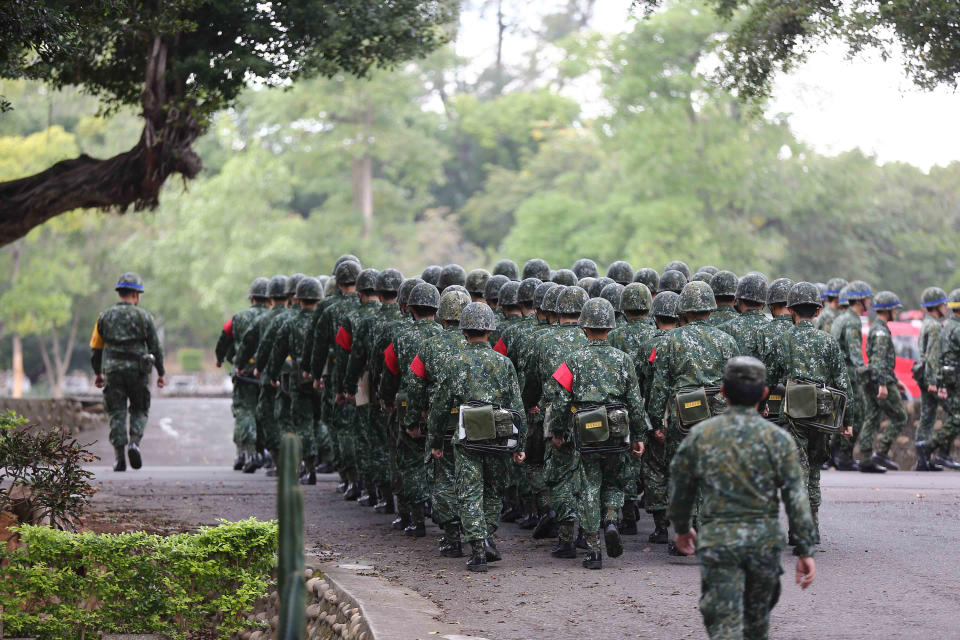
[{"x": 888, "y": 567}]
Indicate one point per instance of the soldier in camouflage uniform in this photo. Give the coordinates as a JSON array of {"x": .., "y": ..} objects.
[
  {"x": 724, "y": 285},
  {"x": 491, "y": 295},
  {"x": 831, "y": 306},
  {"x": 566, "y": 277},
  {"x": 476, "y": 284},
  {"x": 782, "y": 321},
  {"x": 648, "y": 277},
  {"x": 746, "y": 326},
  {"x": 949, "y": 379},
  {"x": 804, "y": 352},
  {"x": 536, "y": 268},
  {"x": 506, "y": 268},
  {"x": 124, "y": 349},
  {"x": 672, "y": 280},
  {"x": 737, "y": 462},
  {"x": 432, "y": 274},
  {"x": 620, "y": 272},
  {"x": 613, "y": 294},
  {"x": 881, "y": 389},
  {"x": 584, "y": 268},
  {"x": 476, "y": 374},
  {"x": 847, "y": 329},
  {"x": 934, "y": 301},
  {"x": 599, "y": 374},
  {"x": 679, "y": 265},
  {"x": 244, "y": 406},
  {"x": 284, "y": 405}
]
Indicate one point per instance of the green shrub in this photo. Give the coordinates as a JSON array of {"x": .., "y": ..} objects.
[
  {"x": 191, "y": 360},
  {"x": 62, "y": 585}
]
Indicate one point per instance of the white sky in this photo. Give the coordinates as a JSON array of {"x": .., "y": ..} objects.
[{"x": 834, "y": 104}]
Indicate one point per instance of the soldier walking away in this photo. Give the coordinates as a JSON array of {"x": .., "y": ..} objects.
[
  {"x": 724, "y": 285},
  {"x": 949, "y": 378},
  {"x": 738, "y": 462},
  {"x": 831, "y": 307},
  {"x": 925, "y": 370},
  {"x": 847, "y": 329},
  {"x": 746, "y": 326},
  {"x": 124, "y": 350}
]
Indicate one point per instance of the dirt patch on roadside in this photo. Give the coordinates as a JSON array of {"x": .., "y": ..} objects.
[{"x": 130, "y": 520}]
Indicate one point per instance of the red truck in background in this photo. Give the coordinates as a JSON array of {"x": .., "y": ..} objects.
[{"x": 905, "y": 335}]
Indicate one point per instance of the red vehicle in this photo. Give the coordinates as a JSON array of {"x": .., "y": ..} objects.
[{"x": 905, "y": 336}]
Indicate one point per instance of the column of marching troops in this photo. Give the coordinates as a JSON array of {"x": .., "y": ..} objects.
[{"x": 558, "y": 399}]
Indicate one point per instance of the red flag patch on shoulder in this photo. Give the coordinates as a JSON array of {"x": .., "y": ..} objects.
[
  {"x": 418, "y": 368},
  {"x": 653, "y": 355},
  {"x": 228, "y": 328},
  {"x": 344, "y": 339},
  {"x": 500, "y": 347},
  {"x": 564, "y": 376},
  {"x": 390, "y": 360}
]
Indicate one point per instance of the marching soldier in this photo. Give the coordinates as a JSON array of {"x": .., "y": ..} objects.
[
  {"x": 584, "y": 268},
  {"x": 724, "y": 285},
  {"x": 745, "y": 327},
  {"x": 949, "y": 380},
  {"x": 831, "y": 307},
  {"x": 934, "y": 301},
  {"x": 847, "y": 329},
  {"x": 771, "y": 332}
]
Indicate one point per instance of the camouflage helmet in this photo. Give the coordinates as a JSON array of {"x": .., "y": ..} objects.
[
  {"x": 708, "y": 269},
  {"x": 696, "y": 297},
  {"x": 540, "y": 292},
  {"x": 613, "y": 293},
  {"x": 585, "y": 268},
  {"x": 528, "y": 286},
  {"x": 452, "y": 303},
  {"x": 672, "y": 280},
  {"x": 431, "y": 274},
  {"x": 565, "y": 277},
  {"x": 649, "y": 277},
  {"x": 324, "y": 279},
  {"x": 835, "y": 286},
  {"x": 702, "y": 276},
  {"x": 886, "y": 301},
  {"x": 330, "y": 288},
  {"x": 389, "y": 280},
  {"x": 953, "y": 300},
  {"x": 933, "y": 297},
  {"x": 477, "y": 316},
  {"x": 571, "y": 300},
  {"x": 367, "y": 280},
  {"x": 803, "y": 293},
  {"x": 308, "y": 289},
  {"x": 724, "y": 283},
  {"x": 822, "y": 288},
  {"x": 550, "y": 298},
  {"x": 258, "y": 288},
  {"x": 491, "y": 292},
  {"x": 620, "y": 272},
  {"x": 597, "y": 286},
  {"x": 584, "y": 283},
  {"x": 856, "y": 290},
  {"x": 678, "y": 265},
  {"x": 130, "y": 281},
  {"x": 752, "y": 288},
  {"x": 277, "y": 287},
  {"x": 508, "y": 268},
  {"x": 452, "y": 274},
  {"x": 344, "y": 258},
  {"x": 665, "y": 305},
  {"x": 636, "y": 298},
  {"x": 598, "y": 313},
  {"x": 347, "y": 273},
  {"x": 424, "y": 295},
  {"x": 536, "y": 268},
  {"x": 457, "y": 287},
  {"x": 292, "y": 283},
  {"x": 403, "y": 293},
  {"x": 509, "y": 292},
  {"x": 778, "y": 290},
  {"x": 477, "y": 281},
  {"x": 745, "y": 370}
]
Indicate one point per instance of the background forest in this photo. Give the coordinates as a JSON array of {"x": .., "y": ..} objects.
[{"x": 586, "y": 145}]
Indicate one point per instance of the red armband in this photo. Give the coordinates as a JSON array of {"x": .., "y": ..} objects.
[{"x": 564, "y": 376}]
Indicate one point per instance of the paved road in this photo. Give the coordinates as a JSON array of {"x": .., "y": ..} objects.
[{"x": 887, "y": 568}]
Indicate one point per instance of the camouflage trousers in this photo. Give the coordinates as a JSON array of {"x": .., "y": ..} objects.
[
  {"x": 267, "y": 418},
  {"x": 540, "y": 492},
  {"x": 738, "y": 588},
  {"x": 282, "y": 408},
  {"x": 126, "y": 392},
  {"x": 245, "y": 416},
  {"x": 634, "y": 481},
  {"x": 301, "y": 418},
  {"x": 414, "y": 482},
  {"x": 343, "y": 432},
  {"x": 928, "y": 414},
  {"x": 599, "y": 490},
  {"x": 367, "y": 440},
  {"x": 812, "y": 445},
  {"x": 854, "y": 417},
  {"x": 946, "y": 434},
  {"x": 322, "y": 435},
  {"x": 655, "y": 486},
  {"x": 876, "y": 410},
  {"x": 560, "y": 475},
  {"x": 480, "y": 479},
  {"x": 445, "y": 509}
]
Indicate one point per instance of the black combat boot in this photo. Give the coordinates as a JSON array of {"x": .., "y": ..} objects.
[
  {"x": 478, "y": 559},
  {"x": 628, "y": 526},
  {"x": 491, "y": 551},
  {"x": 564, "y": 550},
  {"x": 386, "y": 500},
  {"x": 325, "y": 467},
  {"x": 868, "y": 465},
  {"x": 659, "y": 535},
  {"x": 310, "y": 474},
  {"x": 239, "y": 462},
  {"x": 369, "y": 499},
  {"x": 451, "y": 547},
  {"x": 542, "y": 530},
  {"x": 416, "y": 528},
  {"x": 847, "y": 464},
  {"x": 400, "y": 522},
  {"x": 252, "y": 464},
  {"x": 133, "y": 452},
  {"x": 944, "y": 460},
  {"x": 884, "y": 461},
  {"x": 593, "y": 561},
  {"x": 121, "y": 463},
  {"x": 611, "y": 538},
  {"x": 581, "y": 542},
  {"x": 353, "y": 489}
]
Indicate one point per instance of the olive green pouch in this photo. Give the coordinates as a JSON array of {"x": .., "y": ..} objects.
[
  {"x": 453, "y": 420},
  {"x": 826, "y": 406},
  {"x": 591, "y": 424},
  {"x": 503, "y": 420},
  {"x": 618, "y": 420},
  {"x": 717, "y": 401},
  {"x": 693, "y": 406},
  {"x": 800, "y": 400},
  {"x": 478, "y": 423}
]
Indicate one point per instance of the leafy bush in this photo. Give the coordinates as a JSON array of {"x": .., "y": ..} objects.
[
  {"x": 66, "y": 585},
  {"x": 191, "y": 360}
]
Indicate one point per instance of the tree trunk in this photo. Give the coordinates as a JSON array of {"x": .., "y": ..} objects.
[
  {"x": 17, "y": 366},
  {"x": 130, "y": 178},
  {"x": 363, "y": 175}
]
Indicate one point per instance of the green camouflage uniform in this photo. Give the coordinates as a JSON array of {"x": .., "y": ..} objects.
[
  {"x": 476, "y": 373},
  {"x": 357, "y": 321},
  {"x": 284, "y": 401},
  {"x": 323, "y": 401},
  {"x": 288, "y": 347},
  {"x": 737, "y": 462},
  {"x": 723, "y": 314},
  {"x": 268, "y": 435},
  {"x": 745, "y": 329},
  {"x": 950, "y": 380},
  {"x": 128, "y": 337},
  {"x": 847, "y": 330},
  {"x": 770, "y": 334},
  {"x": 653, "y": 464},
  {"x": 245, "y": 393},
  {"x": 929, "y": 346},
  {"x": 882, "y": 360},
  {"x": 824, "y": 321},
  {"x": 391, "y": 325}
]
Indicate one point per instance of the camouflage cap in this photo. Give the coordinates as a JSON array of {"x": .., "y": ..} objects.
[
  {"x": 613, "y": 293},
  {"x": 856, "y": 290},
  {"x": 344, "y": 258},
  {"x": 649, "y": 277},
  {"x": 130, "y": 281},
  {"x": 550, "y": 298},
  {"x": 403, "y": 293},
  {"x": 277, "y": 287},
  {"x": 745, "y": 370},
  {"x": 702, "y": 276},
  {"x": 491, "y": 292},
  {"x": 292, "y": 283},
  {"x": 528, "y": 286},
  {"x": 933, "y": 297},
  {"x": 778, "y": 290},
  {"x": 953, "y": 300},
  {"x": 724, "y": 283},
  {"x": 308, "y": 289},
  {"x": 598, "y": 313},
  {"x": 620, "y": 272},
  {"x": 672, "y": 280},
  {"x": 886, "y": 300},
  {"x": 508, "y": 295},
  {"x": 424, "y": 295},
  {"x": 665, "y": 305},
  {"x": 452, "y": 274},
  {"x": 565, "y": 277},
  {"x": 506, "y": 267},
  {"x": 452, "y": 302},
  {"x": 571, "y": 300},
  {"x": 477, "y": 316},
  {"x": 536, "y": 268},
  {"x": 636, "y": 298},
  {"x": 389, "y": 280},
  {"x": 431, "y": 274},
  {"x": 347, "y": 273},
  {"x": 540, "y": 292},
  {"x": 678, "y": 265},
  {"x": 367, "y": 280},
  {"x": 585, "y": 283},
  {"x": 585, "y": 268},
  {"x": 835, "y": 286},
  {"x": 803, "y": 293},
  {"x": 258, "y": 288},
  {"x": 708, "y": 269},
  {"x": 696, "y": 297},
  {"x": 752, "y": 288},
  {"x": 477, "y": 281}
]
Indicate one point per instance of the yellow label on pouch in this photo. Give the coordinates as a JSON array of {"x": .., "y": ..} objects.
[
  {"x": 691, "y": 405},
  {"x": 593, "y": 425}
]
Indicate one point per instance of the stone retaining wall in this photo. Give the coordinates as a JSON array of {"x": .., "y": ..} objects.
[{"x": 75, "y": 414}]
